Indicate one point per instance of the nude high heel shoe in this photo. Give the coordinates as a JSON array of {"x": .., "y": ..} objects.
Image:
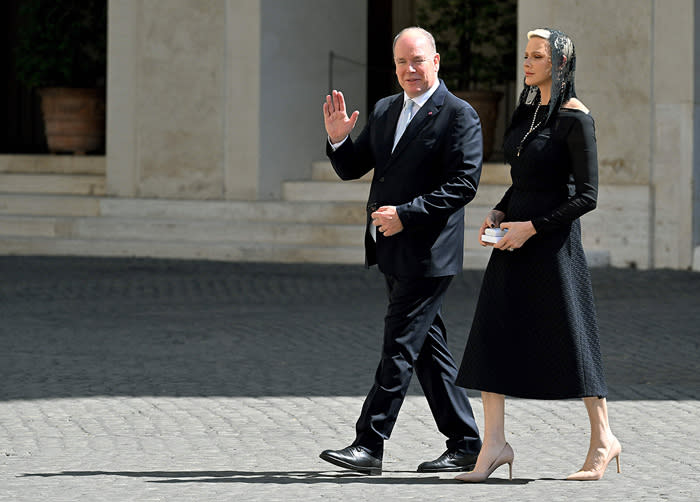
[
  {"x": 505, "y": 457},
  {"x": 597, "y": 472}
]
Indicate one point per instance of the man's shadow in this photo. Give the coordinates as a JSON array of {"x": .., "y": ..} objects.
[{"x": 277, "y": 477}]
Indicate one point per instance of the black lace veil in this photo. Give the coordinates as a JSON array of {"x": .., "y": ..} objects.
[{"x": 563, "y": 57}]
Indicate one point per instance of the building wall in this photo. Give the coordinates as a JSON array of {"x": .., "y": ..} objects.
[
  {"x": 696, "y": 136},
  {"x": 626, "y": 52},
  {"x": 613, "y": 46},
  {"x": 222, "y": 99},
  {"x": 241, "y": 103},
  {"x": 170, "y": 77},
  {"x": 672, "y": 159},
  {"x": 296, "y": 40}
]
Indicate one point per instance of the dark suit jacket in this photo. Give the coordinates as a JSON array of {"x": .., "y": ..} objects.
[{"x": 433, "y": 172}]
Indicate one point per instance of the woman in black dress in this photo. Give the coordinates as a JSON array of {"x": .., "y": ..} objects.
[{"x": 535, "y": 333}]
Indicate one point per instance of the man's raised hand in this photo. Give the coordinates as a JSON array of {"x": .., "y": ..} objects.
[{"x": 335, "y": 117}]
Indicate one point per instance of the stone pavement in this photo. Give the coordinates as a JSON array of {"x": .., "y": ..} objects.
[{"x": 128, "y": 379}]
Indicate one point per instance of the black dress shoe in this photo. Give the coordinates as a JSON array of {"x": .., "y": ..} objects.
[
  {"x": 355, "y": 458},
  {"x": 450, "y": 461}
]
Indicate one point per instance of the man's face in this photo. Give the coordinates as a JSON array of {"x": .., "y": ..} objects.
[{"x": 416, "y": 64}]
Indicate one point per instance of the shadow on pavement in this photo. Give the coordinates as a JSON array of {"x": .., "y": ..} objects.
[
  {"x": 75, "y": 327},
  {"x": 275, "y": 477}
]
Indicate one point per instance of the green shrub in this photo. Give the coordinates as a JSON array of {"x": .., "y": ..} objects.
[{"x": 62, "y": 43}]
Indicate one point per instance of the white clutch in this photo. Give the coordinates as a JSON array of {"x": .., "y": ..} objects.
[{"x": 493, "y": 235}]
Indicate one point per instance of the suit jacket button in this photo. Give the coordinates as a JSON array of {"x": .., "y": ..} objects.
[{"x": 381, "y": 180}]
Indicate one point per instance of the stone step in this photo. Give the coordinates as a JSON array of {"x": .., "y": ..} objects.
[
  {"x": 301, "y": 234},
  {"x": 336, "y": 213},
  {"x": 493, "y": 174},
  {"x": 487, "y": 195},
  {"x": 49, "y": 205},
  {"x": 29, "y": 226},
  {"x": 53, "y": 164},
  {"x": 81, "y": 205},
  {"x": 325, "y": 191},
  {"x": 195, "y": 230},
  {"x": 203, "y": 233},
  {"x": 322, "y": 170},
  {"x": 272, "y": 211},
  {"x": 164, "y": 230},
  {"x": 224, "y": 251},
  {"x": 47, "y": 212},
  {"x": 75, "y": 184}
]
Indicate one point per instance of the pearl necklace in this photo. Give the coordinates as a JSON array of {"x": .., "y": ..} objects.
[{"x": 533, "y": 126}]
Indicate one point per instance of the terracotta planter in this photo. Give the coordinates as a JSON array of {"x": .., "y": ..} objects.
[
  {"x": 74, "y": 119},
  {"x": 486, "y": 105}
]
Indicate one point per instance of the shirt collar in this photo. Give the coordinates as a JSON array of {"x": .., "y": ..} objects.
[{"x": 423, "y": 98}]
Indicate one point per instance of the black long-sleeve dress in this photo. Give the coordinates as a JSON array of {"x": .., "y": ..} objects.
[{"x": 535, "y": 333}]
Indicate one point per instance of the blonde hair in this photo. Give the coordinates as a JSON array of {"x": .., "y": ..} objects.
[{"x": 539, "y": 32}]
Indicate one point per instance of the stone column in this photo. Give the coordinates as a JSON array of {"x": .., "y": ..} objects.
[
  {"x": 183, "y": 99},
  {"x": 672, "y": 159},
  {"x": 696, "y": 142},
  {"x": 243, "y": 93},
  {"x": 121, "y": 133}
]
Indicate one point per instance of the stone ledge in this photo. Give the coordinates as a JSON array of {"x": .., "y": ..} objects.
[
  {"x": 491, "y": 173},
  {"x": 52, "y": 183},
  {"x": 53, "y": 164},
  {"x": 49, "y": 205}
]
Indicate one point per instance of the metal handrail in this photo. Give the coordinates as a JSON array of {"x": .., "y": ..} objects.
[{"x": 332, "y": 56}]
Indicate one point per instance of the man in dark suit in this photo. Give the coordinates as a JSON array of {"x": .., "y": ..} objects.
[{"x": 424, "y": 174}]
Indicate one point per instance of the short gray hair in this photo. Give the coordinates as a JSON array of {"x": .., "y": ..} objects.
[{"x": 428, "y": 36}]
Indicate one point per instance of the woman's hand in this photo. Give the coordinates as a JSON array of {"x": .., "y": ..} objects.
[
  {"x": 518, "y": 233},
  {"x": 493, "y": 220}
]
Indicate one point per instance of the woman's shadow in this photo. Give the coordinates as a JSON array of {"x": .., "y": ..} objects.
[{"x": 278, "y": 477}]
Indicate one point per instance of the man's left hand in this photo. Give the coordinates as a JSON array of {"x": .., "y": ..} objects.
[{"x": 387, "y": 221}]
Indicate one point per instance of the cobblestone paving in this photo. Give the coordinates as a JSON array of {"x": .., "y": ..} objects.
[{"x": 204, "y": 381}]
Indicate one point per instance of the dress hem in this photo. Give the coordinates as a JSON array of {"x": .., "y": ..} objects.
[{"x": 540, "y": 397}]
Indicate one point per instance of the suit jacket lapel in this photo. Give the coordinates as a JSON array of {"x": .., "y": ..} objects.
[
  {"x": 389, "y": 128},
  {"x": 424, "y": 116}
]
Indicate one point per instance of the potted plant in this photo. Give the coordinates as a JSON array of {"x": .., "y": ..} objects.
[
  {"x": 477, "y": 44},
  {"x": 61, "y": 52}
]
